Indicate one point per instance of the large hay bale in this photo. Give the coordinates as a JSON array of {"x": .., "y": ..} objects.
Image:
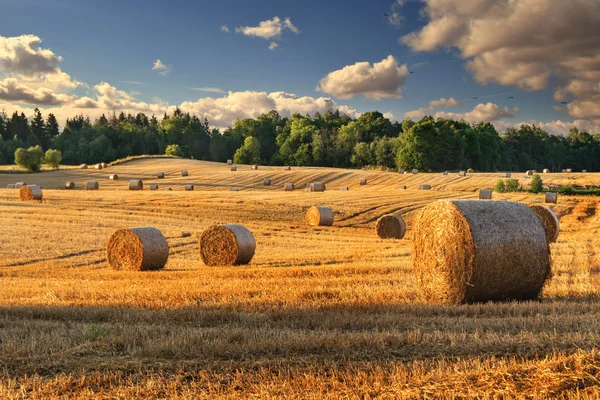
[
  {"x": 472, "y": 251},
  {"x": 319, "y": 216},
  {"x": 485, "y": 194},
  {"x": 189, "y": 188},
  {"x": 390, "y": 226},
  {"x": 317, "y": 187},
  {"x": 470, "y": 171},
  {"x": 91, "y": 185},
  {"x": 136, "y": 184},
  {"x": 83, "y": 166},
  {"x": 363, "y": 181},
  {"x": 549, "y": 221},
  {"x": 184, "y": 173},
  {"x": 113, "y": 177},
  {"x": 69, "y": 185},
  {"x": 154, "y": 186},
  {"x": 344, "y": 188},
  {"x": 551, "y": 197},
  {"x": 30, "y": 192},
  {"x": 233, "y": 168},
  {"x": 415, "y": 171},
  {"x": 137, "y": 249},
  {"x": 267, "y": 182},
  {"x": 546, "y": 171},
  {"x": 19, "y": 185},
  {"x": 227, "y": 244},
  {"x": 288, "y": 187},
  {"x": 402, "y": 187},
  {"x": 462, "y": 173},
  {"x": 10, "y": 186},
  {"x": 425, "y": 187},
  {"x": 98, "y": 166},
  {"x": 508, "y": 175},
  {"x": 229, "y": 162},
  {"x": 160, "y": 175}
]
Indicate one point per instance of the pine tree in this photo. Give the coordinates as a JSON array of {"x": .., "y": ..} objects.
[
  {"x": 38, "y": 129},
  {"x": 52, "y": 126}
]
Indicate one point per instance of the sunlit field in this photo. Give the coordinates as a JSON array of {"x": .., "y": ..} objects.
[{"x": 320, "y": 312}]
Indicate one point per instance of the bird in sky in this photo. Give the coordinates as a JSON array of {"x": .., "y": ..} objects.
[
  {"x": 475, "y": 98},
  {"x": 385, "y": 15},
  {"x": 565, "y": 102},
  {"x": 511, "y": 97}
]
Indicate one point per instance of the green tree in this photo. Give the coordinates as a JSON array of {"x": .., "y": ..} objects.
[
  {"x": 500, "y": 187},
  {"x": 537, "y": 185},
  {"x": 249, "y": 153},
  {"x": 52, "y": 126},
  {"x": 173, "y": 150},
  {"x": 53, "y": 158},
  {"x": 38, "y": 129},
  {"x": 362, "y": 155},
  {"x": 512, "y": 185},
  {"x": 30, "y": 159}
]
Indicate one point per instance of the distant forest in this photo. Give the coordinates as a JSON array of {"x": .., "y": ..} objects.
[{"x": 329, "y": 140}]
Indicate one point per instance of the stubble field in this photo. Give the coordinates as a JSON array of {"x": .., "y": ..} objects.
[{"x": 323, "y": 312}]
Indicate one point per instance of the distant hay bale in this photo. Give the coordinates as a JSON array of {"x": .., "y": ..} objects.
[
  {"x": 344, "y": 188},
  {"x": 10, "y": 186},
  {"x": 485, "y": 194},
  {"x": 255, "y": 166},
  {"x": 564, "y": 170},
  {"x": 233, "y": 189},
  {"x": 288, "y": 187},
  {"x": 425, "y": 187},
  {"x": 167, "y": 189},
  {"x": 229, "y": 244},
  {"x": 551, "y": 197},
  {"x": 154, "y": 186},
  {"x": 308, "y": 189},
  {"x": 233, "y": 168},
  {"x": 267, "y": 182},
  {"x": 104, "y": 165},
  {"x": 91, "y": 185},
  {"x": 30, "y": 192},
  {"x": 83, "y": 166},
  {"x": 184, "y": 173},
  {"x": 470, "y": 171},
  {"x": 462, "y": 173},
  {"x": 317, "y": 187},
  {"x": 402, "y": 187},
  {"x": 229, "y": 162},
  {"x": 288, "y": 168},
  {"x": 401, "y": 171},
  {"x": 390, "y": 226},
  {"x": 19, "y": 185},
  {"x": 137, "y": 249},
  {"x": 569, "y": 170},
  {"x": 546, "y": 171},
  {"x": 529, "y": 173},
  {"x": 549, "y": 221},
  {"x": 363, "y": 181},
  {"x": 319, "y": 216},
  {"x": 415, "y": 171},
  {"x": 584, "y": 171},
  {"x": 468, "y": 251},
  {"x": 69, "y": 185},
  {"x": 189, "y": 188},
  {"x": 445, "y": 173},
  {"x": 98, "y": 166},
  {"x": 136, "y": 184},
  {"x": 508, "y": 175},
  {"x": 160, "y": 175},
  {"x": 113, "y": 177}
]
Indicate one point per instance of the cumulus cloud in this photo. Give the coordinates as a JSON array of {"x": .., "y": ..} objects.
[
  {"x": 224, "y": 28},
  {"x": 22, "y": 55},
  {"x": 12, "y": 90},
  {"x": 271, "y": 29},
  {"x": 522, "y": 43},
  {"x": 481, "y": 113},
  {"x": 382, "y": 80},
  {"x": 440, "y": 103},
  {"x": 273, "y": 46},
  {"x": 162, "y": 68}
]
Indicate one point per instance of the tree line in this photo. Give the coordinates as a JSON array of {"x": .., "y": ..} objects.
[{"x": 332, "y": 139}]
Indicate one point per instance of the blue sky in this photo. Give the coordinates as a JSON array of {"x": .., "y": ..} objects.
[{"x": 119, "y": 41}]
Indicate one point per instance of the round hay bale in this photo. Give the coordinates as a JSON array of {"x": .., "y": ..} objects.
[
  {"x": 233, "y": 168},
  {"x": 189, "y": 188},
  {"x": 344, "y": 188},
  {"x": 317, "y": 187},
  {"x": 508, "y": 175},
  {"x": 91, "y": 185},
  {"x": 546, "y": 171},
  {"x": 255, "y": 166},
  {"x": 83, "y": 166},
  {"x": 551, "y": 197},
  {"x": 402, "y": 187},
  {"x": 137, "y": 249},
  {"x": 445, "y": 173},
  {"x": 425, "y": 187},
  {"x": 160, "y": 175},
  {"x": 401, "y": 171},
  {"x": 136, "y": 184},
  {"x": 319, "y": 216},
  {"x": 584, "y": 171},
  {"x": 19, "y": 185},
  {"x": 267, "y": 182},
  {"x": 564, "y": 170},
  {"x": 227, "y": 244},
  {"x": 184, "y": 173},
  {"x": 288, "y": 187},
  {"x": 70, "y": 185},
  {"x": 154, "y": 186},
  {"x": 363, "y": 181},
  {"x": 390, "y": 226},
  {"x": 485, "y": 194},
  {"x": 529, "y": 173},
  {"x": 10, "y": 186},
  {"x": 104, "y": 165},
  {"x": 415, "y": 171},
  {"x": 473, "y": 251},
  {"x": 98, "y": 166},
  {"x": 113, "y": 177},
  {"x": 405, "y": 172},
  {"x": 30, "y": 192},
  {"x": 462, "y": 173},
  {"x": 229, "y": 162},
  {"x": 569, "y": 170},
  {"x": 470, "y": 171},
  {"x": 549, "y": 221}
]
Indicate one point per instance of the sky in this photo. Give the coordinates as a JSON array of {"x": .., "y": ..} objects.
[{"x": 502, "y": 61}]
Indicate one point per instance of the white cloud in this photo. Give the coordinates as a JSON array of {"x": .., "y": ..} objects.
[
  {"x": 489, "y": 112},
  {"x": 273, "y": 46},
  {"x": 382, "y": 80},
  {"x": 440, "y": 103},
  {"x": 224, "y": 28},
  {"x": 208, "y": 89},
  {"x": 12, "y": 90},
  {"x": 162, "y": 68},
  {"x": 22, "y": 55},
  {"x": 557, "y": 127},
  {"x": 269, "y": 29}
]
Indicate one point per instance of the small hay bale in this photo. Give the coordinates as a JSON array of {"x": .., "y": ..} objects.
[
  {"x": 508, "y": 175},
  {"x": 344, "y": 188},
  {"x": 390, "y": 226},
  {"x": 462, "y": 173},
  {"x": 363, "y": 181},
  {"x": 189, "y": 188},
  {"x": 98, "y": 166},
  {"x": 470, "y": 171},
  {"x": 30, "y": 192},
  {"x": 229, "y": 162},
  {"x": 288, "y": 187},
  {"x": 529, "y": 173},
  {"x": 160, "y": 175},
  {"x": 154, "y": 186},
  {"x": 255, "y": 166},
  {"x": 228, "y": 244},
  {"x": 317, "y": 187},
  {"x": 415, "y": 171},
  {"x": 402, "y": 187},
  {"x": 467, "y": 251},
  {"x": 104, "y": 165},
  {"x": 10, "y": 186},
  {"x": 267, "y": 182},
  {"x": 546, "y": 171},
  {"x": 69, "y": 185},
  {"x": 91, "y": 185},
  {"x": 445, "y": 173},
  {"x": 319, "y": 216},
  {"x": 485, "y": 194},
  {"x": 83, "y": 166},
  {"x": 167, "y": 189},
  {"x": 425, "y": 187},
  {"x": 137, "y": 249},
  {"x": 564, "y": 170},
  {"x": 549, "y": 221},
  {"x": 184, "y": 173},
  {"x": 288, "y": 168},
  {"x": 569, "y": 170},
  {"x": 405, "y": 172},
  {"x": 401, "y": 171},
  {"x": 584, "y": 171},
  {"x": 551, "y": 197},
  {"x": 136, "y": 184},
  {"x": 113, "y": 177},
  {"x": 19, "y": 185},
  {"x": 233, "y": 168}
]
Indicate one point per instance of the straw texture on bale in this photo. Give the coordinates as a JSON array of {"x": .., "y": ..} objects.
[
  {"x": 91, "y": 185},
  {"x": 19, "y": 185},
  {"x": 153, "y": 186},
  {"x": 233, "y": 168},
  {"x": 267, "y": 182},
  {"x": 473, "y": 251},
  {"x": 98, "y": 166},
  {"x": 415, "y": 171},
  {"x": 30, "y": 192},
  {"x": 319, "y": 216},
  {"x": 549, "y": 221},
  {"x": 228, "y": 244},
  {"x": 113, "y": 177},
  {"x": 189, "y": 187},
  {"x": 462, "y": 173},
  {"x": 288, "y": 187},
  {"x": 70, "y": 185},
  {"x": 160, "y": 175},
  {"x": 136, "y": 184},
  {"x": 184, "y": 173},
  {"x": 470, "y": 171},
  {"x": 10, "y": 186},
  {"x": 137, "y": 249},
  {"x": 229, "y": 162},
  {"x": 402, "y": 187},
  {"x": 363, "y": 181},
  {"x": 317, "y": 187},
  {"x": 546, "y": 171},
  {"x": 344, "y": 188},
  {"x": 83, "y": 166},
  {"x": 508, "y": 174},
  {"x": 551, "y": 197},
  {"x": 485, "y": 194},
  {"x": 425, "y": 187},
  {"x": 390, "y": 226}
]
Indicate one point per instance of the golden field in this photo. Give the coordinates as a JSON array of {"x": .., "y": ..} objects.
[{"x": 325, "y": 312}]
